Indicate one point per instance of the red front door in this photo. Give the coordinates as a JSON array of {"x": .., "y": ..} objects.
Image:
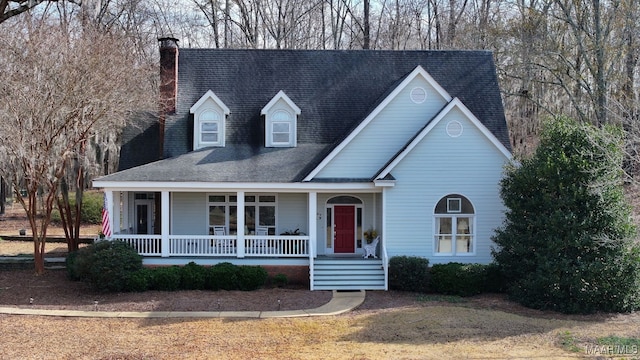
[{"x": 344, "y": 229}]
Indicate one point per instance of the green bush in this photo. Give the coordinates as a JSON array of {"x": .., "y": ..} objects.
[
  {"x": 409, "y": 273},
  {"x": 165, "y": 278},
  {"x": 280, "y": 280},
  {"x": 139, "y": 281},
  {"x": 111, "y": 263},
  {"x": 251, "y": 277},
  {"x": 77, "y": 264},
  {"x": 223, "y": 276},
  {"x": 193, "y": 276},
  {"x": 458, "y": 279},
  {"x": 495, "y": 279},
  {"x": 568, "y": 243},
  {"x": 92, "y": 204}
]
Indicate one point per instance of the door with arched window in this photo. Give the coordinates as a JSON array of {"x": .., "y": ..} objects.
[
  {"x": 344, "y": 224},
  {"x": 454, "y": 226}
]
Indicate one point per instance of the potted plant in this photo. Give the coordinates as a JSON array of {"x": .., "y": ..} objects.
[{"x": 370, "y": 234}]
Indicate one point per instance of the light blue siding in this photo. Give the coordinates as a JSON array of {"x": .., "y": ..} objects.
[
  {"x": 292, "y": 212},
  {"x": 439, "y": 165},
  {"x": 189, "y": 214},
  {"x": 386, "y": 134}
]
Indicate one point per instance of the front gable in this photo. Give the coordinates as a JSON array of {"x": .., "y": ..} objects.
[
  {"x": 398, "y": 117},
  {"x": 455, "y": 121}
]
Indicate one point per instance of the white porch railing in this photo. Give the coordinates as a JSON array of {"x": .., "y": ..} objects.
[
  {"x": 202, "y": 245},
  {"x": 219, "y": 245},
  {"x": 145, "y": 245},
  {"x": 276, "y": 246}
]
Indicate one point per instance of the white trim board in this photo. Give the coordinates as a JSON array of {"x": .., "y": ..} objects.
[
  {"x": 418, "y": 71},
  {"x": 455, "y": 103}
]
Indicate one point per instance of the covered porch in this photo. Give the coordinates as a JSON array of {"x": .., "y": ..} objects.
[{"x": 278, "y": 227}]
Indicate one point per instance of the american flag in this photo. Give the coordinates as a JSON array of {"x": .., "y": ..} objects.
[{"x": 106, "y": 227}]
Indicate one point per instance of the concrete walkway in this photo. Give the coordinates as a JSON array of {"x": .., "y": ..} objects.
[{"x": 341, "y": 302}]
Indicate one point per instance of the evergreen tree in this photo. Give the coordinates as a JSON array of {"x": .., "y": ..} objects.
[{"x": 568, "y": 243}]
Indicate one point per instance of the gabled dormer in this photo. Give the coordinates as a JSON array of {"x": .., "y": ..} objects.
[
  {"x": 209, "y": 118},
  {"x": 281, "y": 117}
]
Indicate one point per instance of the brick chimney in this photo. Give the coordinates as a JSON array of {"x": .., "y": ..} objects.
[
  {"x": 168, "y": 84},
  {"x": 168, "y": 74}
]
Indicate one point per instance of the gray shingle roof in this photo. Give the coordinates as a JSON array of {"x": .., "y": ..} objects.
[{"x": 336, "y": 90}]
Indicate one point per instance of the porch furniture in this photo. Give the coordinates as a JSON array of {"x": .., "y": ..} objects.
[
  {"x": 370, "y": 249},
  {"x": 262, "y": 230},
  {"x": 219, "y": 230}
]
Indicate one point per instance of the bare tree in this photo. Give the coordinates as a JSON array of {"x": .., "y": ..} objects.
[
  {"x": 61, "y": 90},
  {"x": 11, "y": 8}
]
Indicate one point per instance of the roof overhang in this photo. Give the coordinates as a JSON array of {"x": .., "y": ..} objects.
[{"x": 153, "y": 186}]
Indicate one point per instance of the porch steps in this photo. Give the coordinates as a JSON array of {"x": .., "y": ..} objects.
[{"x": 348, "y": 274}]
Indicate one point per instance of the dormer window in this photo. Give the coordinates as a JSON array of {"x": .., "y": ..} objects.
[
  {"x": 280, "y": 121},
  {"x": 209, "y": 115},
  {"x": 210, "y": 128}
]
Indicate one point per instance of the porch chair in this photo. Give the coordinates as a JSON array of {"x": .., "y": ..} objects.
[
  {"x": 262, "y": 230},
  {"x": 370, "y": 249},
  {"x": 219, "y": 230},
  {"x": 261, "y": 244},
  {"x": 223, "y": 245}
]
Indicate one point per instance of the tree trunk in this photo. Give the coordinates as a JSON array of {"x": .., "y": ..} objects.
[{"x": 366, "y": 35}]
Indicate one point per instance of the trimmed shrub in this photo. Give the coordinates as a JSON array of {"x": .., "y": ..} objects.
[
  {"x": 139, "y": 281},
  {"x": 111, "y": 265},
  {"x": 193, "y": 276},
  {"x": 222, "y": 276},
  {"x": 409, "y": 273},
  {"x": 251, "y": 277},
  {"x": 280, "y": 280},
  {"x": 77, "y": 264},
  {"x": 166, "y": 278},
  {"x": 458, "y": 279}
]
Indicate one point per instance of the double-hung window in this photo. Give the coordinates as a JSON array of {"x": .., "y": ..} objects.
[
  {"x": 210, "y": 125},
  {"x": 259, "y": 210},
  {"x": 454, "y": 220},
  {"x": 209, "y": 117},
  {"x": 281, "y": 115}
]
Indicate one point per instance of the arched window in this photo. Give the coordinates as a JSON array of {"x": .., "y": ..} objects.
[
  {"x": 454, "y": 226},
  {"x": 210, "y": 127}
]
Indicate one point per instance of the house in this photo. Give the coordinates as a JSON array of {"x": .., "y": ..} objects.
[{"x": 317, "y": 147}]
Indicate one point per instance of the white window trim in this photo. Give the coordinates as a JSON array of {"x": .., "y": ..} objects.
[
  {"x": 273, "y": 133},
  {"x": 227, "y": 203},
  {"x": 280, "y": 102},
  {"x": 209, "y": 102},
  {"x": 220, "y": 132},
  {"x": 449, "y": 201},
  {"x": 454, "y": 220}
]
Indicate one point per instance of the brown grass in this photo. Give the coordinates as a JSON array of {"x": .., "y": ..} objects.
[{"x": 425, "y": 332}]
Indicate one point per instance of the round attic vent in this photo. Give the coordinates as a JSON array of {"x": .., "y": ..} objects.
[
  {"x": 454, "y": 128},
  {"x": 418, "y": 95}
]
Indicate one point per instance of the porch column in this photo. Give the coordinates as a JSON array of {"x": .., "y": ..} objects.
[
  {"x": 125, "y": 212},
  {"x": 164, "y": 228},
  {"x": 108, "y": 204},
  {"x": 313, "y": 222},
  {"x": 116, "y": 212},
  {"x": 240, "y": 223}
]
